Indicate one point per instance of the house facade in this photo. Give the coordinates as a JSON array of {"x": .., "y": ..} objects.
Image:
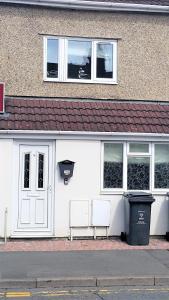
[{"x": 86, "y": 84}]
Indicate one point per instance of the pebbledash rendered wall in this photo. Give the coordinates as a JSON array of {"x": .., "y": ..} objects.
[
  {"x": 85, "y": 185},
  {"x": 143, "y": 51}
]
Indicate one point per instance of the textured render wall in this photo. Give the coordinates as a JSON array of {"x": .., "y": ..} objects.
[{"x": 143, "y": 52}]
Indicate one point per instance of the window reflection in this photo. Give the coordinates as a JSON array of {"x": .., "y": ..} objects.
[
  {"x": 161, "y": 166},
  {"x": 135, "y": 147},
  {"x": 79, "y": 60},
  {"x": 104, "y": 68},
  {"x": 52, "y": 58},
  {"x": 113, "y": 166}
]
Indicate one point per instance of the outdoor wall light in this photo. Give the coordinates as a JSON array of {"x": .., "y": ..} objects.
[{"x": 66, "y": 169}]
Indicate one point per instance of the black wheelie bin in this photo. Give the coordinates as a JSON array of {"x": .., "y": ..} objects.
[{"x": 137, "y": 217}]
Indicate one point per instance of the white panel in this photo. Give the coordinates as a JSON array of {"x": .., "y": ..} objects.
[
  {"x": 39, "y": 211},
  {"x": 25, "y": 211},
  {"x": 101, "y": 213},
  {"x": 79, "y": 213}
]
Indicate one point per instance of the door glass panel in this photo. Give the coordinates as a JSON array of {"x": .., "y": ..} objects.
[
  {"x": 113, "y": 165},
  {"x": 161, "y": 166},
  {"x": 79, "y": 59},
  {"x": 136, "y": 147},
  {"x": 41, "y": 171},
  {"x": 52, "y": 58},
  {"x": 104, "y": 63},
  {"x": 138, "y": 173},
  {"x": 26, "y": 170}
]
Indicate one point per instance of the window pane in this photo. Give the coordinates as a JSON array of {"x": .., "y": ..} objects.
[
  {"x": 161, "y": 166},
  {"x": 138, "y": 173},
  {"x": 52, "y": 58},
  {"x": 79, "y": 60},
  {"x": 104, "y": 63},
  {"x": 113, "y": 165},
  {"x": 136, "y": 147},
  {"x": 40, "y": 170},
  {"x": 26, "y": 170}
]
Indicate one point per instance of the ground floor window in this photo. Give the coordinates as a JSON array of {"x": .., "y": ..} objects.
[
  {"x": 161, "y": 166},
  {"x": 135, "y": 166}
]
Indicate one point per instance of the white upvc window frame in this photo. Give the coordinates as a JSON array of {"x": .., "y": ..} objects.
[
  {"x": 114, "y": 60},
  {"x": 126, "y": 154},
  {"x": 157, "y": 190},
  {"x": 45, "y": 40},
  {"x": 109, "y": 190},
  {"x": 63, "y": 60},
  {"x": 139, "y": 154}
]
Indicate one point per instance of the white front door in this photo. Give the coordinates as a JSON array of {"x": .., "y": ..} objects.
[{"x": 33, "y": 213}]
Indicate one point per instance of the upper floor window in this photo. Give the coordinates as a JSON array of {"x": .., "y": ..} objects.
[{"x": 80, "y": 60}]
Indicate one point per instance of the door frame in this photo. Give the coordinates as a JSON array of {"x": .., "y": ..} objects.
[{"x": 16, "y": 169}]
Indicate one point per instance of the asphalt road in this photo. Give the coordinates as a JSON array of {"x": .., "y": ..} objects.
[{"x": 115, "y": 293}]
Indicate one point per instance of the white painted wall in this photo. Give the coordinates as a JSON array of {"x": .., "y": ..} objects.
[
  {"x": 160, "y": 215},
  {"x": 6, "y": 152},
  {"x": 84, "y": 185}
]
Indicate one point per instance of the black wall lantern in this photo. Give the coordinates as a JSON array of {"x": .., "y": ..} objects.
[{"x": 66, "y": 169}]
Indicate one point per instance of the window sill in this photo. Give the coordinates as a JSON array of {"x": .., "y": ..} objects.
[
  {"x": 112, "y": 192},
  {"x": 116, "y": 192},
  {"x": 80, "y": 81}
]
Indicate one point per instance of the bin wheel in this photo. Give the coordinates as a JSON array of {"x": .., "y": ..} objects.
[
  {"x": 167, "y": 236},
  {"x": 123, "y": 236}
]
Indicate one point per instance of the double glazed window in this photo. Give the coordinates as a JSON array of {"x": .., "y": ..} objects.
[
  {"x": 136, "y": 166},
  {"x": 80, "y": 60}
]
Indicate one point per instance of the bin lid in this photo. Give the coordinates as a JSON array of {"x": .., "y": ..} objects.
[
  {"x": 137, "y": 194},
  {"x": 139, "y": 197}
]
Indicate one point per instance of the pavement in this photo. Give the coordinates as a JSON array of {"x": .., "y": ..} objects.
[{"x": 90, "y": 263}]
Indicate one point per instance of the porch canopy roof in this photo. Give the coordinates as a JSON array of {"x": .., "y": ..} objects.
[{"x": 85, "y": 115}]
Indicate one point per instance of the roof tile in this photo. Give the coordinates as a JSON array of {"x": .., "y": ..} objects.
[{"x": 109, "y": 116}]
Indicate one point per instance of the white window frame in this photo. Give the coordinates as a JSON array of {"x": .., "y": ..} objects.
[
  {"x": 114, "y": 60},
  {"x": 127, "y": 154},
  {"x": 60, "y": 45},
  {"x": 63, "y": 60},
  {"x": 140, "y": 154},
  {"x": 157, "y": 190},
  {"x": 110, "y": 190}
]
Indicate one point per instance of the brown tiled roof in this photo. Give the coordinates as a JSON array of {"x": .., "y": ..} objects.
[{"x": 95, "y": 116}]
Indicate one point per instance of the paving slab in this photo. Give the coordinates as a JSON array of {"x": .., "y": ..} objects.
[
  {"x": 162, "y": 280},
  {"x": 18, "y": 283},
  {"x": 66, "y": 282},
  {"x": 126, "y": 281},
  {"x": 161, "y": 256}
]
